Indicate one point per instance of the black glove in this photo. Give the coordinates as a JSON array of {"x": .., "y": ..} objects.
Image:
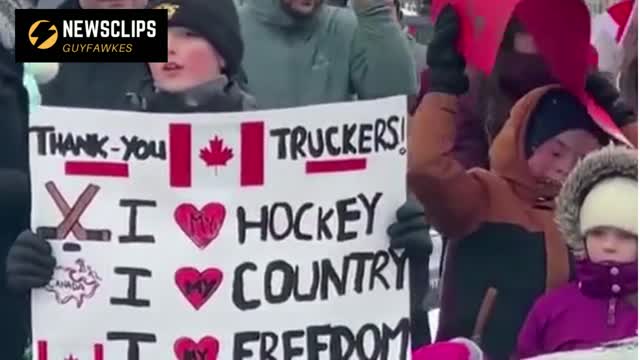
[
  {"x": 608, "y": 97},
  {"x": 29, "y": 263},
  {"x": 411, "y": 231},
  {"x": 446, "y": 64}
]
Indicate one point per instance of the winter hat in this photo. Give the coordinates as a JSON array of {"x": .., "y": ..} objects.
[
  {"x": 42, "y": 72},
  {"x": 608, "y": 204},
  {"x": 601, "y": 190},
  {"x": 556, "y": 112},
  {"x": 35, "y": 74},
  {"x": 215, "y": 20}
]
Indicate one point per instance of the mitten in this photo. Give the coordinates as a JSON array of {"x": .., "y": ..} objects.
[
  {"x": 608, "y": 97},
  {"x": 29, "y": 263},
  {"x": 446, "y": 64},
  {"x": 411, "y": 231}
]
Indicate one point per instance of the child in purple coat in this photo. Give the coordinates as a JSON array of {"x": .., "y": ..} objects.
[{"x": 598, "y": 215}]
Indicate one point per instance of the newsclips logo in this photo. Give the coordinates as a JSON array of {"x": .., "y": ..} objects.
[
  {"x": 86, "y": 35},
  {"x": 43, "y": 34},
  {"x": 91, "y": 36}
]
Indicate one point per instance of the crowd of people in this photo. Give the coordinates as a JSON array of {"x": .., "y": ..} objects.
[{"x": 535, "y": 201}]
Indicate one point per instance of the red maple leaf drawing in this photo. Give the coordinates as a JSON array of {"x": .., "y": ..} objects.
[{"x": 217, "y": 154}]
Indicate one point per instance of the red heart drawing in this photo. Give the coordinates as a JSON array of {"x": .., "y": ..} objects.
[
  {"x": 201, "y": 226},
  {"x": 206, "y": 349},
  {"x": 198, "y": 286}
]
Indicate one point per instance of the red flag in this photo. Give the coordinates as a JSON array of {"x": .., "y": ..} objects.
[
  {"x": 482, "y": 23},
  {"x": 561, "y": 31}
]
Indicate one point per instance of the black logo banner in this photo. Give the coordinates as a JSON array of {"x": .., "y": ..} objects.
[{"x": 91, "y": 35}]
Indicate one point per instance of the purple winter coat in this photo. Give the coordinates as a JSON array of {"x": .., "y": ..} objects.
[{"x": 565, "y": 319}]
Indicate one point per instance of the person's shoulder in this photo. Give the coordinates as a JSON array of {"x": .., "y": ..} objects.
[{"x": 341, "y": 17}]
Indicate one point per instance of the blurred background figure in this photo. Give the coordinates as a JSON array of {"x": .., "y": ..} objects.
[
  {"x": 419, "y": 50},
  {"x": 615, "y": 38},
  {"x": 93, "y": 85},
  {"x": 319, "y": 54}
]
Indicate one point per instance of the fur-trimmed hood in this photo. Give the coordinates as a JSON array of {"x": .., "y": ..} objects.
[
  {"x": 7, "y": 20},
  {"x": 611, "y": 161}
]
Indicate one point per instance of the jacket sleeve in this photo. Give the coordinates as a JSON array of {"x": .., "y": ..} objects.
[
  {"x": 453, "y": 198},
  {"x": 529, "y": 339},
  {"x": 14, "y": 196},
  {"x": 381, "y": 62},
  {"x": 470, "y": 145},
  {"x": 53, "y": 93}
]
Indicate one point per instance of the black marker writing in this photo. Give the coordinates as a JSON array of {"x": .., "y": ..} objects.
[
  {"x": 356, "y": 272},
  {"x": 141, "y": 149},
  {"x": 133, "y": 237},
  {"x": 345, "y": 213},
  {"x": 369, "y": 342},
  {"x": 53, "y": 143},
  {"x": 348, "y": 139},
  {"x": 195, "y": 355},
  {"x": 134, "y": 340},
  {"x": 132, "y": 289}
]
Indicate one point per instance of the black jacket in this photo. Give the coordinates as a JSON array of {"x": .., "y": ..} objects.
[
  {"x": 14, "y": 198},
  {"x": 213, "y": 97},
  {"x": 91, "y": 85}
]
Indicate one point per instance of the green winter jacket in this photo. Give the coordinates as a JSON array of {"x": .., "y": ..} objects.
[{"x": 335, "y": 55}]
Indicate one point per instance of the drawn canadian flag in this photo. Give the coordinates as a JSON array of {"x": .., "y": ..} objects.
[
  {"x": 217, "y": 152},
  {"x": 237, "y": 155}
]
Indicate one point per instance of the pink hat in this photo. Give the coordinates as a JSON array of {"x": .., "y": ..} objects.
[{"x": 456, "y": 349}]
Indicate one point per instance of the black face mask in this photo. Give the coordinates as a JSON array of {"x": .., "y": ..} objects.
[{"x": 519, "y": 73}]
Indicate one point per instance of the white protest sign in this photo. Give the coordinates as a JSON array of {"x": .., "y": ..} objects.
[
  {"x": 626, "y": 349},
  {"x": 257, "y": 235}
]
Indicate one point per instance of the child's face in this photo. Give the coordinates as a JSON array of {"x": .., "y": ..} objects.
[
  {"x": 611, "y": 244},
  {"x": 192, "y": 61},
  {"x": 556, "y": 157}
]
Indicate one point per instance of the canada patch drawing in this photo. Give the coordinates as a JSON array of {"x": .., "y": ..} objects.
[{"x": 76, "y": 283}]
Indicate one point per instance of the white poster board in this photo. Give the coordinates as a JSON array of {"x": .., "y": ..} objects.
[
  {"x": 626, "y": 349},
  {"x": 256, "y": 235}
]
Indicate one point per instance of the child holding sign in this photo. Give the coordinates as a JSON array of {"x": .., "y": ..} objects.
[
  {"x": 205, "y": 52},
  {"x": 598, "y": 215},
  {"x": 504, "y": 248}
]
